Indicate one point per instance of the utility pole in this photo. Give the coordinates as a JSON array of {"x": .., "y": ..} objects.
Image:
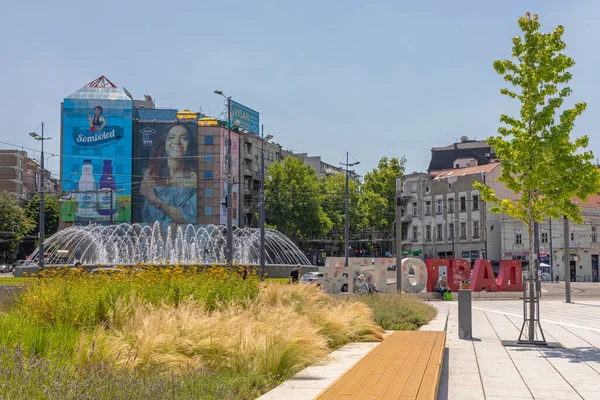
[
  {"x": 567, "y": 258},
  {"x": 42, "y": 219},
  {"x": 398, "y": 235},
  {"x": 551, "y": 253},
  {"x": 261, "y": 201},
  {"x": 347, "y": 164},
  {"x": 229, "y": 198}
]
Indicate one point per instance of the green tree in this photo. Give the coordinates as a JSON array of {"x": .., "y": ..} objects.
[
  {"x": 380, "y": 187},
  {"x": 51, "y": 210},
  {"x": 540, "y": 163},
  {"x": 334, "y": 202},
  {"x": 14, "y": 223},
  {"x": 293, "y": 200}
]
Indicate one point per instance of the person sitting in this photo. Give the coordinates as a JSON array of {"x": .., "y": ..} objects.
[
  {"x": 360, "y": 286},
  {"x": 371, "y": 285},
  {"x": 442, "y": 286}
]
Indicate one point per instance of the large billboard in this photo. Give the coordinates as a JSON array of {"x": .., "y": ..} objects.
[
  {"x": 165, "y": 173},
  {"x": 235, "y": 163},
  {"x": 248, "y": 118},
  {"x": 96, "y": 157}
]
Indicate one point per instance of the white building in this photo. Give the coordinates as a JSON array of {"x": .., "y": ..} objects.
[{"x": 584, "y": 248}]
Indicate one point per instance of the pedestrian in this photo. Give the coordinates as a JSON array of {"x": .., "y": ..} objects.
[
  {"x": 442, "y": 286},
  {"x": 295, "y": 274}
]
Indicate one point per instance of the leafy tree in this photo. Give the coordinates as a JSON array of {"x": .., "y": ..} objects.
[
  {"x": 334, "y": 202},
  {"x": 380, "y": 187},
  {"x": 293, "y": 199},
  {"x": 51, "y": 210},
  {"x": 14, "y": 223},
  {"x": 540, "y": 163}
]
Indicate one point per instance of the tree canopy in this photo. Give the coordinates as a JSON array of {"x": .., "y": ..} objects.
[
  {"x": 14, "y": 223},
  {"x": 51, "y": 210},
  {"x": 293, "y": 200}
]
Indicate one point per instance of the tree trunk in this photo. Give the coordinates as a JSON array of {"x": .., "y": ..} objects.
[{"x": 531, "y": 268}]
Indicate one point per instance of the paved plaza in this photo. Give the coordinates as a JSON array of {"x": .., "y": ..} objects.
[{"x": 482, "y": 368}]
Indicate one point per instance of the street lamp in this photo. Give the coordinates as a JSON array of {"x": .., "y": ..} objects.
[
  {"x": 229, "y": 183},
  {"x": 261, "y": 202},
  {"x": 42, "y": 220},
  {"x": 347, "y": 164}
]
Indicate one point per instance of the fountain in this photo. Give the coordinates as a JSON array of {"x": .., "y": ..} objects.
[{"x": 151, "y": 244}]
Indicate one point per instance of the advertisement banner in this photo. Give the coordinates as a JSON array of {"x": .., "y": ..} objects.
[
  {"x": 235, "y": 153},
  {"x": 96, "y": 158},
  {"x": 248, "y": 118},
  {"x": 165, "y": 173}
]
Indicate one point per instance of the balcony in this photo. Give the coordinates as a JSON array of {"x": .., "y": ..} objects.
[
  {"x": 247, "y": 192},
  {"x": 248, "y": 172},
  {"x": 407, "y": 218}
]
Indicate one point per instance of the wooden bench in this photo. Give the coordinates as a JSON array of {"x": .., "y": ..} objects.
[{"x": 406, "y": 365}]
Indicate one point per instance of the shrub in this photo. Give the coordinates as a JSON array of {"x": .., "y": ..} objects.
[{"x": 394, "y": 311}]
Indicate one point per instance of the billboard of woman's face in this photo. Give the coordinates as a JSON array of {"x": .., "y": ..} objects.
[{"x": 167, "y": 166}]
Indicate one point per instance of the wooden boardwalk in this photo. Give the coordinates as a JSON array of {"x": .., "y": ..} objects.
[{"x": 406, "y": 365}]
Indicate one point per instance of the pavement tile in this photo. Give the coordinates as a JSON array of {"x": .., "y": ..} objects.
[
  {"x": 554, "y": 394},
  {"x": 466, "y": 392},
  {"x": 508, "y": 391}
]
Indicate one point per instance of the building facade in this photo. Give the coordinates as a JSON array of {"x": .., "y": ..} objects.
[
  {"x": 251, "y": 149},
  {"x": 463, "y": 154},
  {"x": 20, "y": 175},
  {"x": 444, "y": 216},
  {"x": 584, "y": 245}
]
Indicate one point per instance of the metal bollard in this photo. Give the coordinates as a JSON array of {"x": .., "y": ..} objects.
[{"x": 464, "y": 314}]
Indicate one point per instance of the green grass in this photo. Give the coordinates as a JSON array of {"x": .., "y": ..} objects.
[
  {"x": 281, "y": 281},
  {"x": 399, "y": 312},
  {"x": 14, "y": 281},
  {"x": 26, "y": 376}
]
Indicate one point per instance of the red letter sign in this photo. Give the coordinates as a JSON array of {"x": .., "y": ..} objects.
[
  {"x": 510, "y": 276},
  {"x": 483, "y": 277},
  {"x": 460, "y": 270},
  {"x": 433, "y": 271}
]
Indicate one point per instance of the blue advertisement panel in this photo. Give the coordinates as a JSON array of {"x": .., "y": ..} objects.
[
  {"x": 96, "y": 157},
  {"x": 165, "y": 173},
  {"x": 249, "y": 119}
]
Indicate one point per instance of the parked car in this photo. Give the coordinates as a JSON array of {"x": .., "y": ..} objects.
[
  {"x": 311, "y": 277},
  {"x": 4, "y": 268}
]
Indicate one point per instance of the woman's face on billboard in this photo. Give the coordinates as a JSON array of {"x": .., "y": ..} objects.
[{"x": 177, "y": 141}]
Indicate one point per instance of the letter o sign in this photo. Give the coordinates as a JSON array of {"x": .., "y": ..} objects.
[{"x": 414, "y": 275}]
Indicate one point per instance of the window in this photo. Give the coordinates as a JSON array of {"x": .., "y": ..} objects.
[
  {"x": 544, "y": 237},
  {"x": 474, "y": 254},
  {"x": 428, "y": 233},
  {"x": 208, "y": 210},
  {"x": 475, "y": 229},
  {"x": 594, "y": 235},
  {"x": 451, "y": 230},
  {"x": 208, "y": 157},
  {"x": 208, "y": 140},
  {"x": 415, "y": 209},
  {"x": 208, "y": 174},
  {"x": 208, "y": 192},
  {"x": 463, "y": 230},
  {"x": 451, "y": 205},
  {"x": 415, "y": 233},
  {"x": 413, "y": 187},
  {"x": 427, "y": 207},
  {"x": 440, "y": 232},
  {"x": 466, "y": 254},
  {"x": 463, "y": 203},
  {"x": 476, "y": 202},
  {"x": 518, "y": 239},
  {"x": 440, "y": 207}
]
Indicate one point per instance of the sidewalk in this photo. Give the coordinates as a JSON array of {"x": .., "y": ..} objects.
[{"x": 482, "y": 368}]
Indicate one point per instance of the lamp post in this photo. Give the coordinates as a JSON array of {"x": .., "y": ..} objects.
[
  {"x": 261, "y": 201},
  {"x": 42, "y": 220},
  {"x": 229, "y": 183},
  {"x": 347, "y": 164}
]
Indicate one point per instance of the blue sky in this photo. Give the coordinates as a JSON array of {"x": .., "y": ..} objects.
[{"x": 379, "y": 78}]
